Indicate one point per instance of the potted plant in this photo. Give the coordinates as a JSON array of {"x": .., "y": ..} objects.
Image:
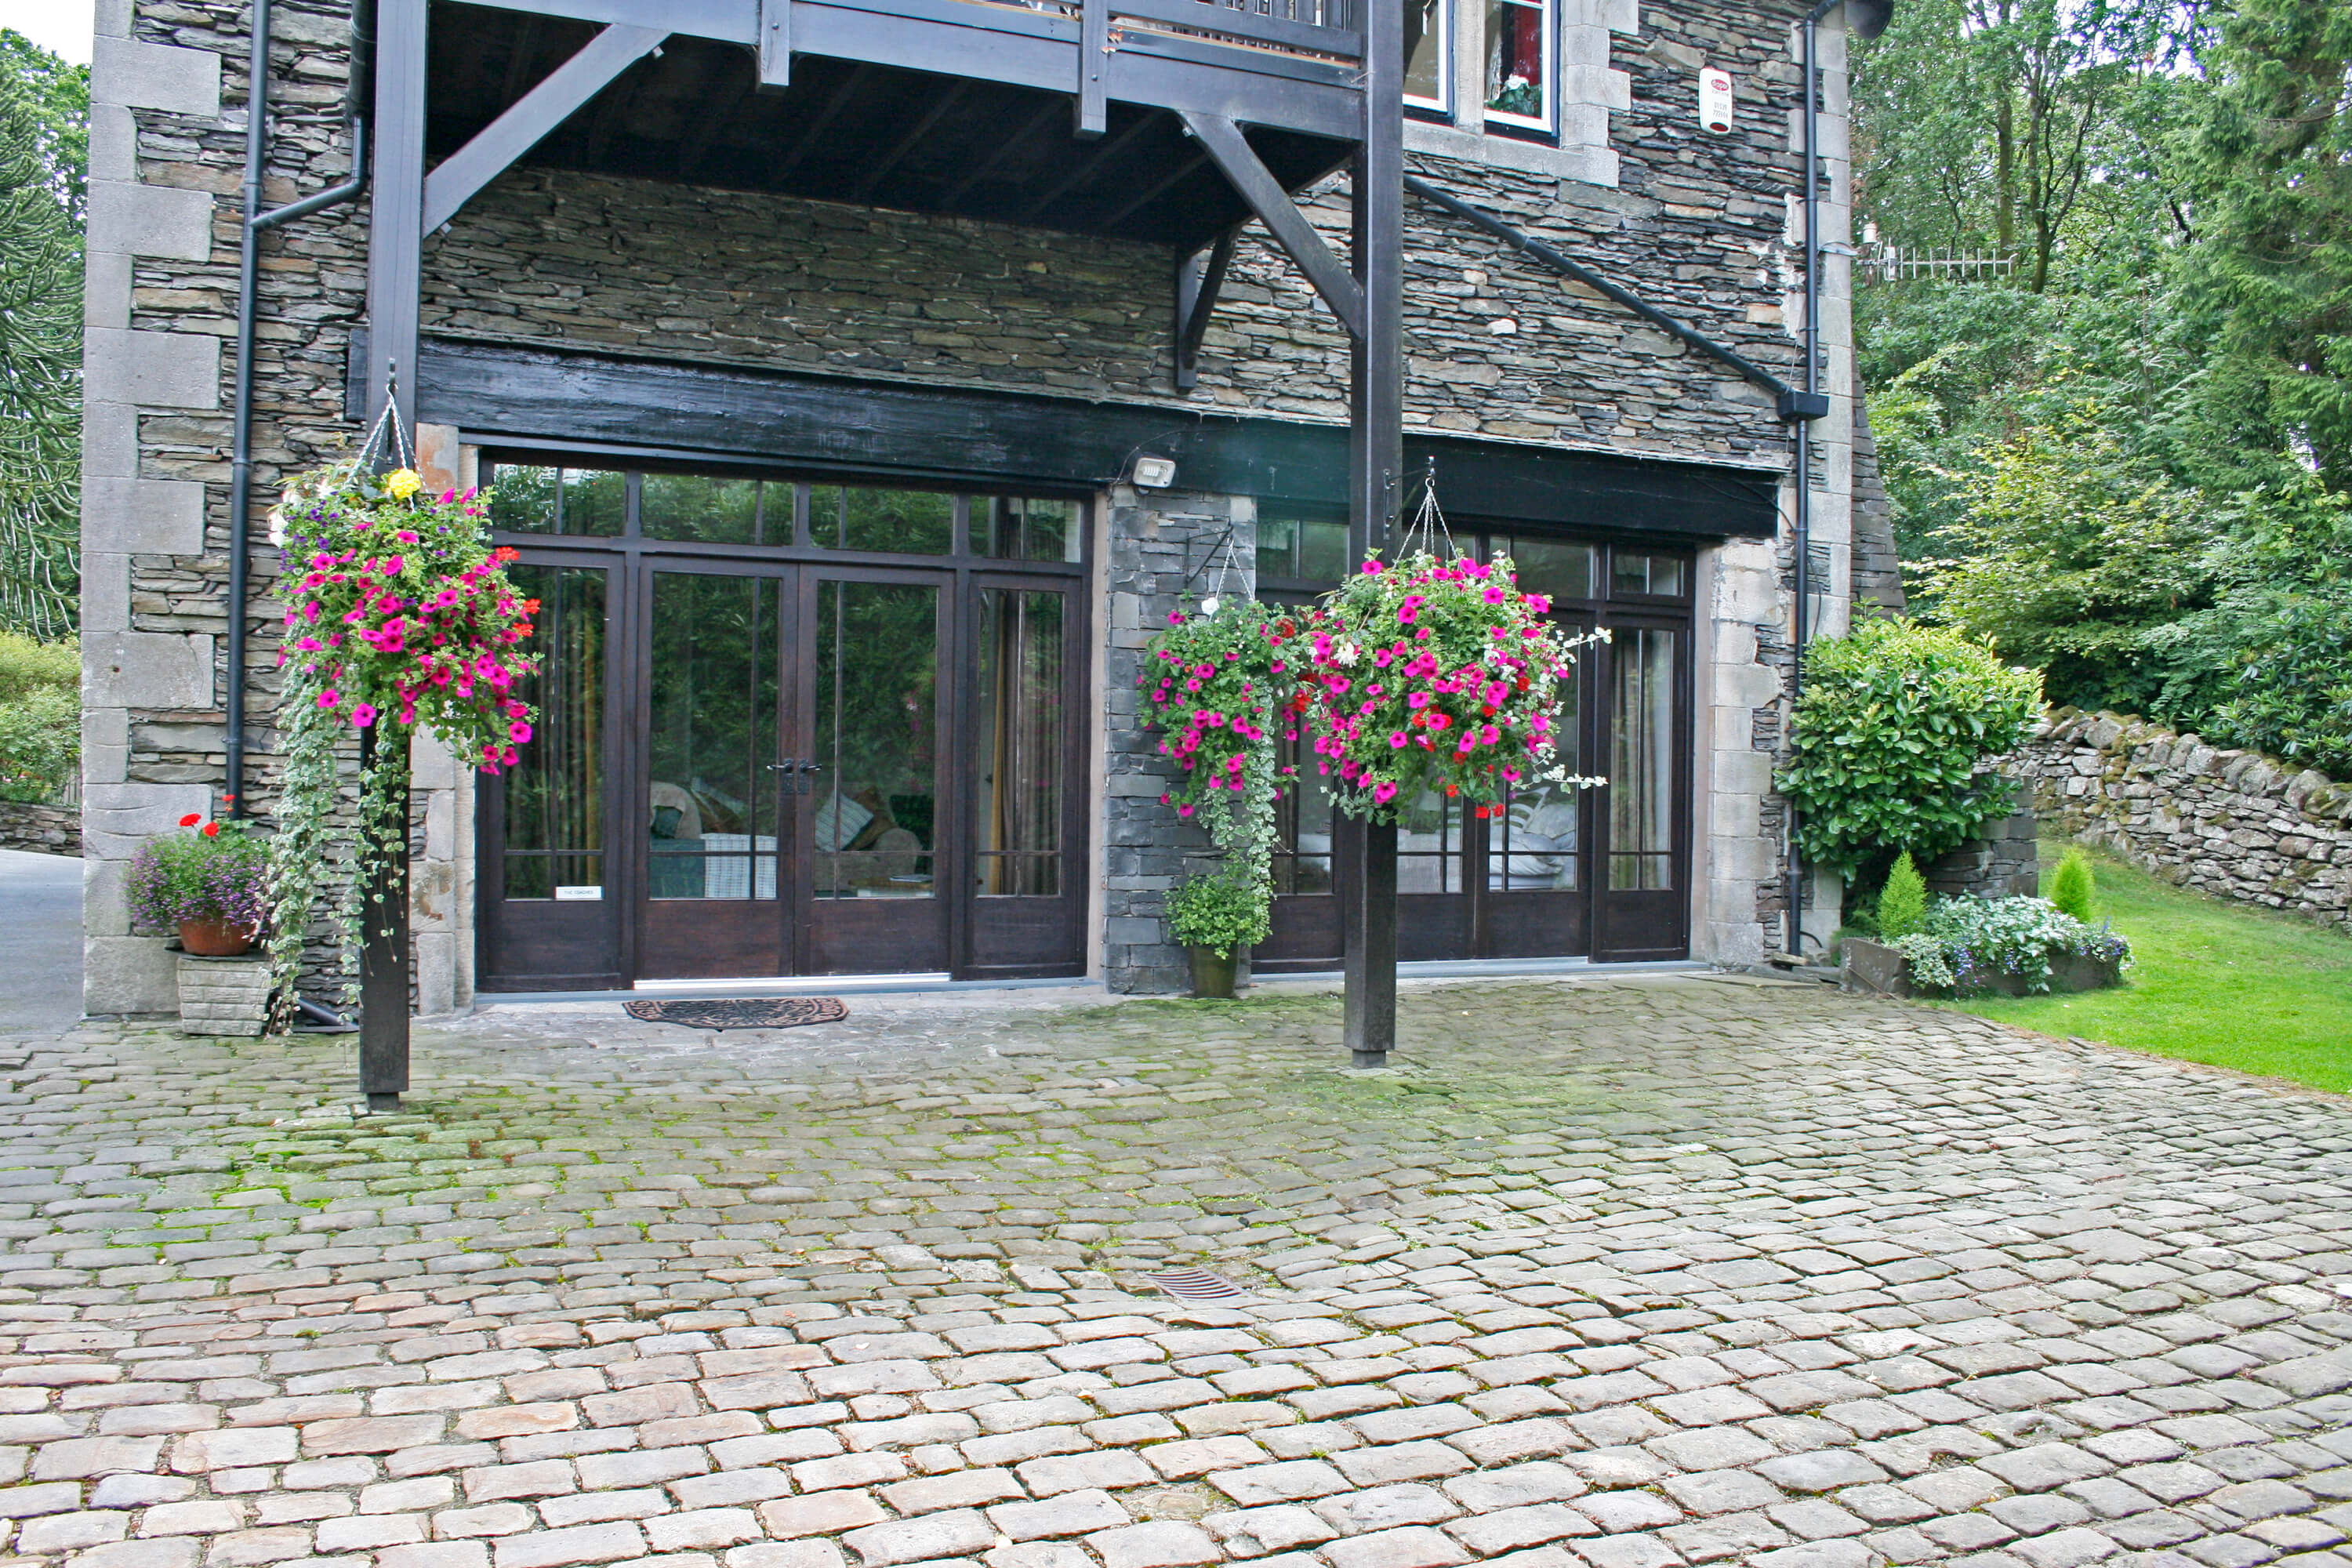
[
  {"x": 211, "y": 885},
  {"x": 1214, "y": 918}
]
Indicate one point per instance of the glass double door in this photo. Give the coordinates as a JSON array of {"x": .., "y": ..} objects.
[
  {"x": 1559, "y": 871},
  {"x": 805, "y": 770}
]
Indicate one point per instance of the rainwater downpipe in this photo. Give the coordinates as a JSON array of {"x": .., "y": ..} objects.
[
  {"x": 356, "y": 95},
  {"x": 1864, "y": 20}
]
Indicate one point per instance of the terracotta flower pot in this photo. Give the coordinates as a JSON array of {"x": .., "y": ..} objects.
[{"x": 214, "y": 938}]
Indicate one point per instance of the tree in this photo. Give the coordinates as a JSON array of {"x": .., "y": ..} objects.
[
  {"x": 2272, "y": 158},
  {"x": 42, "y": 167},
  {"x": 2070, "y": 550}
]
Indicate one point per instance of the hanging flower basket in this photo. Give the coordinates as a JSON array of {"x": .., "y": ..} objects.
[
  {"x": 1434, "y": 677},
  {"x": 399, "y": 615}
]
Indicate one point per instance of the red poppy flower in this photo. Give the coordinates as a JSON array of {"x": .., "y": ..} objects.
[
  {"x": 211, "y": 830},
  {"x": 189, "y": 820}
]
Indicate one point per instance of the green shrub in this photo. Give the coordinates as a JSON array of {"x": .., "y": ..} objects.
[
  {"x": 1219, "y": 913},
  {"x": 1903, "y": 903},
  {"x": 2071, "y": 886},
  {"x": 40, "y": 717},
  {"x": 1893, "y": 721}
]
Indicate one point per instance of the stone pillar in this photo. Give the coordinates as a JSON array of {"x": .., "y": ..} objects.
[
  {"x": 1156, "y": 539},
  {"x": 134, "y": 674}
]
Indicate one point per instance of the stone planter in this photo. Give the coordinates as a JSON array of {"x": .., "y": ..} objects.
[
  {"x": 224, "y": 997},
  {"x": 1875, "y": 969},
  {"x": 1871, "y": 969}
]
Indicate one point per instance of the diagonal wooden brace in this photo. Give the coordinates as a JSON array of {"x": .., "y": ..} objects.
[
  {"x": 456, "y": 180},
  {"x": 1251, "y": 179},
  {"x": 1199, "y": 278}
]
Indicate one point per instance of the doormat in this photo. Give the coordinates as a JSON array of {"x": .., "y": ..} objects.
[{"x": 743, "y": 1013}]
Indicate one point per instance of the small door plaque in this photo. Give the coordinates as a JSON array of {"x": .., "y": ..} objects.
[{"x": 579, "y": 895}]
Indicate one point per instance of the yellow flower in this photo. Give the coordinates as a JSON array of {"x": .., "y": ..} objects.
[{"x": 403, "y": 483}]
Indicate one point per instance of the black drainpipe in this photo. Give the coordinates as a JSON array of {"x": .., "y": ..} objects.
[{"x": 356, "y": 96}]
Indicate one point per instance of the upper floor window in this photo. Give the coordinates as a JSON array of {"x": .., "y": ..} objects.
[
  {"x": 1511, "y": 44},
  {"x": 1518, "y": 63}
]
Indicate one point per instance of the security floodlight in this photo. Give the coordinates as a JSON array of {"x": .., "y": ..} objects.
[{"x": 1155, "y": 473}]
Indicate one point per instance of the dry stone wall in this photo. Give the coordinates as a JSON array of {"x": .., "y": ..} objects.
[
  {"x": 42, "y": 829},
  {"x": 2234, "y": 823}
]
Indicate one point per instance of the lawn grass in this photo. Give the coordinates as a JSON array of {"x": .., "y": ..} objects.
[{"x": 2213, "y": 981}]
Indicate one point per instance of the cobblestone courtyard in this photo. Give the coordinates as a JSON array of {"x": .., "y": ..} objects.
[{"x": 1622, "y": 1274}]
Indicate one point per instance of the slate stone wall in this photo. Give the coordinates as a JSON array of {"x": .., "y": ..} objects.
[
  {"x": 2234, "y": 823},
  {"x": 41, "y": 829},
  {"x": 1164, "y": 550}
]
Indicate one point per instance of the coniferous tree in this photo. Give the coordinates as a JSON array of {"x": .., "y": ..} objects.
[{"x": 40, "y": 343}]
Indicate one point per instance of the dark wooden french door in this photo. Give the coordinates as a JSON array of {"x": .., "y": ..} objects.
[
  {"x": 750, "y": 767},
  {"x": 1561, "y": 871}
]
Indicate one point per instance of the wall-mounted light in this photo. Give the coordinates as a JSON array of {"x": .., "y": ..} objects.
[
  {"x": 1715, "y": 100},
  {"x": 1152, "y": 473}
]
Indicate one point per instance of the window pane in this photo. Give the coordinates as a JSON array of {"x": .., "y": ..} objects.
[
  {"x": 909, "y": 522},
  {"x": 1641, "y": 760},
  {"x": 596, "y": 502},
  {"x": 1018, "y": 732},
  {"x": 875, "y": 740},
  {"x": 1020, "y": 528},
  {"x": 1303, "y": 818},
  {"x": 1278, "y": 547},
  {"x": 1535, "y": 843},
  {"x": 1635, "y": 572},
  {"x": 522, "y": 499},
  {"x": 1429, "y": 845},
  {"x": 1517, "y": 79},
  {"x": 712, "y": 794},
  {"x": 697, "y": 506},
  {"x": 1424, "y": 65},
  {"x": 555, "y": 791},
  {"x": 1554, "y": 569},
  {"x": 1322, "y": 552}
]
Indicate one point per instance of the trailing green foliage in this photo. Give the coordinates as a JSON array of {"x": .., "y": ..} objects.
[
  {"x": 1903, "y": 903},
  {"x": 43, "y": 106},
  {"x": 1220, "y": 913},
  {"x": 1894, "y": 719},
  {"x": 40, "y": 717},
  {"x": 2071, "y": 886}
]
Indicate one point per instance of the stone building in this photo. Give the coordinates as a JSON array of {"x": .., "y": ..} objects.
[{"x": 819, "y": 430}]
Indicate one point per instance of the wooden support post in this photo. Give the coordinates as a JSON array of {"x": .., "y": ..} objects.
[
  {"x": 775, "y": 45},
  {"x": 383, "y": 941},
  {"x": 1094, "y": 62},
  {"x": 395, "y": 245},
  {"x": 1375, "y": 470},
  {"x": 396, "y": 206}
]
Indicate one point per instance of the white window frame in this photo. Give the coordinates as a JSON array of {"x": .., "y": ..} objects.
[
  {"x": 1445, "y": 33},
  {"x": 1547, "y": 121}
]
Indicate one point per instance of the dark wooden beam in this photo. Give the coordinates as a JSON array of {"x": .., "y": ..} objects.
[
  {"x": 1223, "y": 142},
  {"x": 940, "y": 108},
  {"x": 1375, "y": 480},
  {"x": 818, "y": 126},
  {"x": 527, "y": 120},
  {"x": 384, "y": 934},
  {"x": 1199, "y": 278},
  {"x": 495, "y": 391}
]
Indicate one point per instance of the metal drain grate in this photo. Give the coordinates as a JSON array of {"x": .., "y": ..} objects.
[{"x": 1196, "y": 1284}]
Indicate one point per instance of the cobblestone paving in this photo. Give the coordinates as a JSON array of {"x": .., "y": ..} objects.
[{"x": 1617, "y": 1275}]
